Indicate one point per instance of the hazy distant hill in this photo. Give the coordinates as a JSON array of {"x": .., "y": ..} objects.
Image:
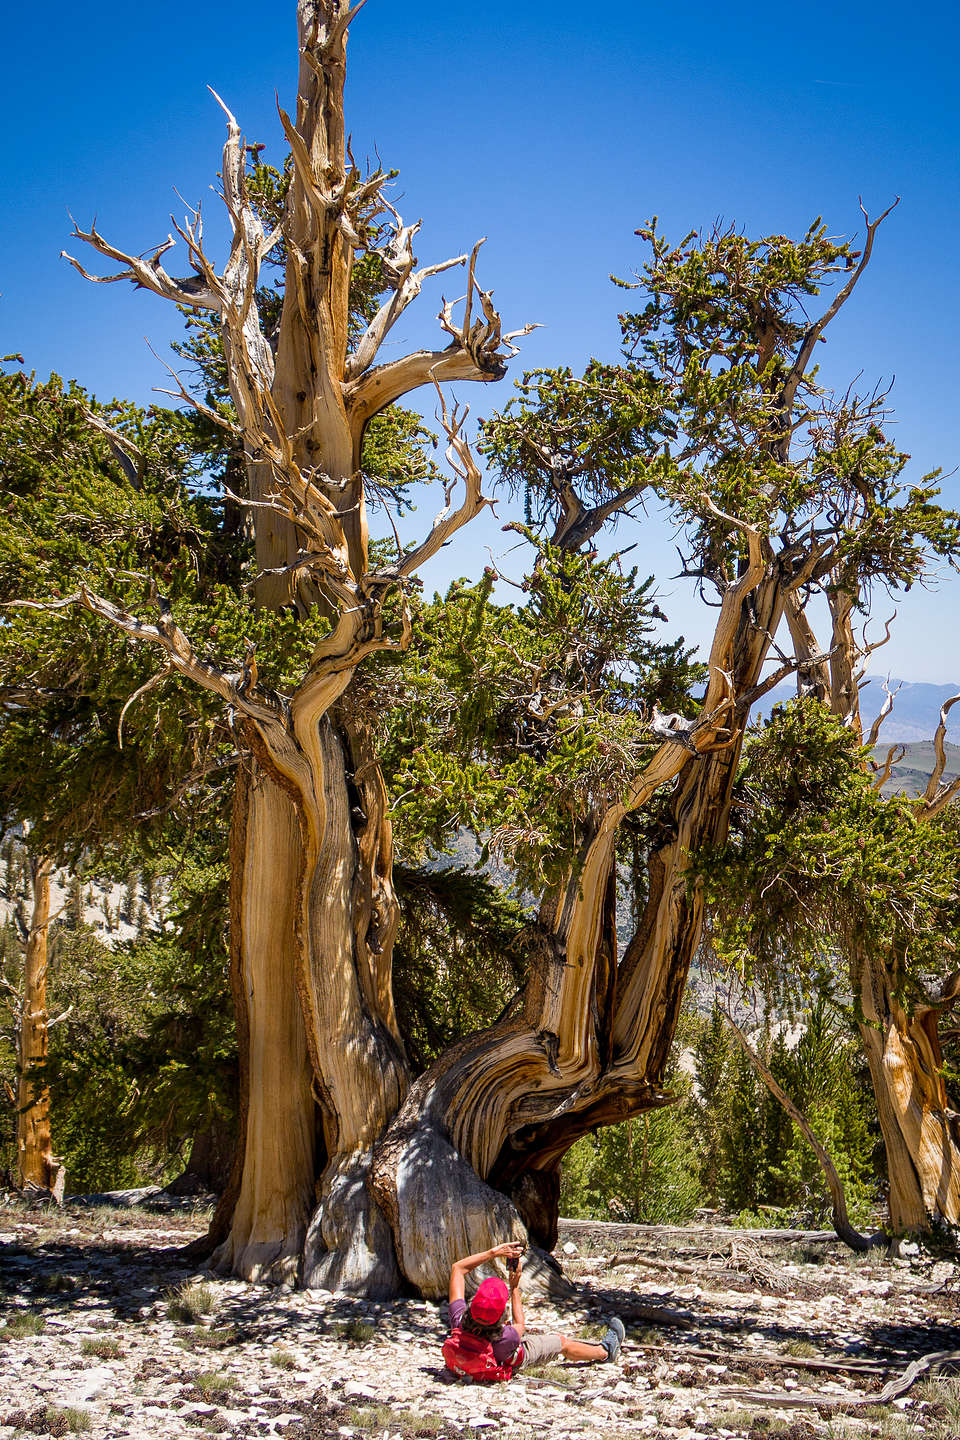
[{"x": 915, "y": 713}]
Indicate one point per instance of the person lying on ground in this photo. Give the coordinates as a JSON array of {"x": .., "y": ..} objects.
[{"x": 482, "y": 1346}]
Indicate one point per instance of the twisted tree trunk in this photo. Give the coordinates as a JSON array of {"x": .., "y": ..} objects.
[
  {"x": 322, "y": 1067},
  {"x": 473, "y": 1156},
  {"x": 921, "y": 1131}
]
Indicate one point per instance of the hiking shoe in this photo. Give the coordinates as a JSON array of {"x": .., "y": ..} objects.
[{"x": 613, "y": 1339}]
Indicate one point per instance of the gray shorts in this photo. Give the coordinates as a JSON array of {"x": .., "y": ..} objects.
[{"x": 539, "y": 1349}]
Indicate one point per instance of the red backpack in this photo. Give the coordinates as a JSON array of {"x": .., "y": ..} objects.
[{"x": 471, "y": 1355}]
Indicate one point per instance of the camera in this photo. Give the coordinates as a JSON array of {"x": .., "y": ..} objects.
[{"x": 513, "y": 1261}]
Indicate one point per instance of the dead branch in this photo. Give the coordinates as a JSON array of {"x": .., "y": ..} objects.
[
  {"x": 398, "y": 266},
  {"x": 887, "y": 705},
  {"x": 936, "y": 796},
  {"x": 180, "y": 655},
  {"x": 479, "y": 350},
  {"x": 147, "y": 274},
  {"x": 894, "y": 755},
  {"x": 817, "y": 328},
  {"x": 649, "y": 1262},
  {"x": 805, "y": 1399},
  {"x": 771, "y": 1358},
  {"x": 465, "y": 469}
]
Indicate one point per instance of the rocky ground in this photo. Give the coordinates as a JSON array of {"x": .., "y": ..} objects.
[{"x": 106, "y": 1329}]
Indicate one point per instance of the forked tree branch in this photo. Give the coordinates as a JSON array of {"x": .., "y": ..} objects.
[
  {"x": 894, "y": 755},
  {"x": 479, "y": 350},
  {"x": 814, "y": 332},
  {"x": 885, "y": 708}
]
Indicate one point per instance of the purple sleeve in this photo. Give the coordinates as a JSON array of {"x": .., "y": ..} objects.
[
  {"x": 457, "y": 1312},
  {"x": 505, "y": 1347}
]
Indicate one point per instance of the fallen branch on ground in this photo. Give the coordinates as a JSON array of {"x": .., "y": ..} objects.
[{"x": 807, "y": 1399}]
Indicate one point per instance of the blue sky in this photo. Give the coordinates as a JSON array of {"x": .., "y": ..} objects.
[{"x": 552, "y": 129}]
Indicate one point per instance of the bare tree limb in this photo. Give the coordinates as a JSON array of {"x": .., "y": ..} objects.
[
  {"x": 180, "y": 655},
  {"x": 894, "y": 755},
  {"x": 934, "y": 795},
  {"x": 817, "y": 328},
  {"x": 886, "y": 707}
]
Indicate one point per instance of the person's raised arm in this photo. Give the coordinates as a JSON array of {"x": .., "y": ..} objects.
[
  {"x": 516, "y": 1303},
  {"x": 461, "y": 1268}
]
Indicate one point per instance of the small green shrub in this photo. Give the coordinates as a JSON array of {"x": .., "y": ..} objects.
[
  {"x": 18, "y": 1327},
  {"x": 67, "y": 1421},
  {"x": 802, "y": 1349},
  {"x": 103, "y": 1349},
  {"x": 217, "y": 1339},
  {"x": 212, "y": 1383},
  {"x": 56, "y": 1284},
  {"x": 355, "y": 1332},
  {"x": 283, "y": 1359},
  {"x": 190, "y": 1301}
]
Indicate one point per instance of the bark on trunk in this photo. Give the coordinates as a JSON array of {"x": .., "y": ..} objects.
[
  {"x": 322, "y": 1066},
  {"x": 921, "y": 1132},
  {"x": 35, "y": 1161}
]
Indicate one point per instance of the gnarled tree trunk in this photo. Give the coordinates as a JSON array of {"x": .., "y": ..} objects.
[
  {"x": 322, "y": 1067},
  {"x": 473, "y": 1156},
  {"x": 921, "y": 1132}
]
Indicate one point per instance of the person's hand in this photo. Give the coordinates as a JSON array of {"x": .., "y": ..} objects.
[
  {"x": 512, "y": 1250},
  {"x": 514, "y": 1272}
]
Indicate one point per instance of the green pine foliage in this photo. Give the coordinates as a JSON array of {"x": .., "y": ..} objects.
[
  {"x": 643, "y": 1171},
  {"x": 457, "y": 956},
  {"x": 752, "y": 1157},
  {"x": 520, "y": 720},
  {"x": 816, "y": 857}
]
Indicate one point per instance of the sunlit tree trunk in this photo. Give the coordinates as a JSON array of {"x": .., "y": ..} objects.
[
  {"x": 921, "y": 1131},
  {"x": 35, "y": 1162},
  {"x": 322, "y": 1067}
]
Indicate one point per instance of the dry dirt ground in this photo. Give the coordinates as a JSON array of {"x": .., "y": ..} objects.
[{"x": 107, "y": 1329}]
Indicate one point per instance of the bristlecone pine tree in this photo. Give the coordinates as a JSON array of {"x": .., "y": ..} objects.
[
  {"x": 715, "y": 409},
  {"x": 711, "y": 410},
  {"x": 312, "y": 907}
]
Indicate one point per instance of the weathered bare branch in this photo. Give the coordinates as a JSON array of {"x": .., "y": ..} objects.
[
  {"x": 885, "y": 708},
  {"x": 478, "y": 351},
  {"x": 180, "y": 655},
  {"x": 398, "y": 264},
  {"x": 894, "y": 755},
  {"x": 841, "y": 1218},
  {"x": 149, "y": 273},
  {"x": 817, "y": 328},
  {"x": 933, "y": 795},
  {"x": 128, "y": 456},
  {"x": 144, "y": 689},
  {"x": 465, "y": 469}
]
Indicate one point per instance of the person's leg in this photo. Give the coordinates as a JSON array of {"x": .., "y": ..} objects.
[
  {"x": 608, "y": 1348},
  {"x": 581, "y": 1349}
]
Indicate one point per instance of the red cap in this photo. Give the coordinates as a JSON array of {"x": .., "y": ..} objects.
[{"x": 490, "y": 1301}]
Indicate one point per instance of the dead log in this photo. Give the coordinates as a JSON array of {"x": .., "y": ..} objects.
[{"x": 811, "y": 1400}]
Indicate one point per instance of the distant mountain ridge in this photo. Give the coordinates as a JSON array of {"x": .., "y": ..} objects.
[{"x": 915, "y": 714}]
